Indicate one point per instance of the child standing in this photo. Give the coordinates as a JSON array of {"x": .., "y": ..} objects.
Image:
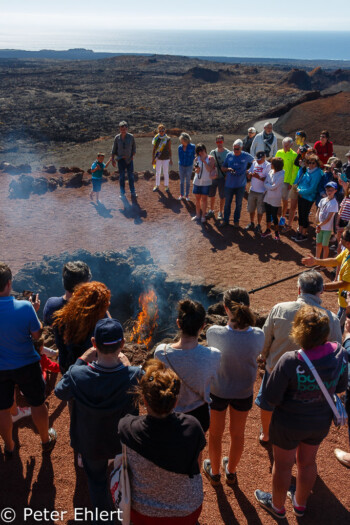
[
  {"x": 273, "y": 185},
  {"x": 97, "y": 171},
  {"x": 327, "y": 208}
]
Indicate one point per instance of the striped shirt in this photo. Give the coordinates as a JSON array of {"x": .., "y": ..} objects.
[{"x": 344, "y": 212}]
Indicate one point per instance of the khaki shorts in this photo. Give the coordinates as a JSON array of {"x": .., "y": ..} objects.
[
  {"x": 285, "y": 191},
  {"x": 293, "y": 194},
  {"x": 256, "y": 201}
]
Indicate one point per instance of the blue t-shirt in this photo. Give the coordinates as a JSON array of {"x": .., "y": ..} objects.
[
  {"x": 53, "y": 304},
  {"x": 239, "y": 163},
  {"x": 186, "y": 158},
  {"x": 17, "y": 320},
  {"x": 98, "y": 174}
]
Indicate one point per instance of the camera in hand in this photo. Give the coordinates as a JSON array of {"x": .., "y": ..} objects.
[{"x": 344, "y": 294}]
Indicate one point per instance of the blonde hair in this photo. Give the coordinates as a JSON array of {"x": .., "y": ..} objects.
[{"x": 310, "y": 327}]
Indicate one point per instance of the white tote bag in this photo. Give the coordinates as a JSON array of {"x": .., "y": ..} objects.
[{"x": 120, "y": 486}]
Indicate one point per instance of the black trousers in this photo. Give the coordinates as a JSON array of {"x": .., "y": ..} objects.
[
  {"x": 304, "y": 207},
  {"x": 271, "y": 213}
]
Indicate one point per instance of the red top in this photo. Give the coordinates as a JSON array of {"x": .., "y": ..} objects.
[
  {"x": 47, "y": 364},
  {"x": 324, "y": 152}
]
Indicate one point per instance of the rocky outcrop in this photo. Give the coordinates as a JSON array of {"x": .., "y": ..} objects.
[
  {"x": 298, "y": 78},
  {"x": 6, "y": 167},
  {"x": 332, "y": 112}
]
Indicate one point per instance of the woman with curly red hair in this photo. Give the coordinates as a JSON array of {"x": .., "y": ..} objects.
[{"x": 77, "y": 319}]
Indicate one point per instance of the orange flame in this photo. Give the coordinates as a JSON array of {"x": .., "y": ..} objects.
[{"x": 146, "y": 322}]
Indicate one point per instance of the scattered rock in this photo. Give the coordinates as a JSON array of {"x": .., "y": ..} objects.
[
  {"x": 64, "y": 170},
  {"x": 21, "y": 188},
  {"x": 15, "y": 170},
  {"x": 50, "y": 169},
  {"x": 74, "y": 181},
  {"x": 298, "y": 78},
  {"x": 203, "y": 73},
  {"x": 174, "y": 175},
  {"x": 40, "y": 185},
  {"x": 148, "y": 175}
]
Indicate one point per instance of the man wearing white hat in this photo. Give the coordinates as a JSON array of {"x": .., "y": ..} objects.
[{"x": 235, "y": 166}]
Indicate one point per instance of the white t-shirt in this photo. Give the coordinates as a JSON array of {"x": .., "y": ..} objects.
[
  {"x": 203, "y": 177},
  {"x": 327, "y": 206},
  {"x": 262, "y": 170}
]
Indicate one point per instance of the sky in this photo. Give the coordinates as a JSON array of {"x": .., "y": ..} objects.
[{"x": 98, "y": 16}]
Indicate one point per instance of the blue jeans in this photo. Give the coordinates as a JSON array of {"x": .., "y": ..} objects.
[
  {"x": 229, "y": 193},
  {"x": 98, "y": 482},
  {"x": 185, "y": 173},
  {"x": 122, "y": 166}
]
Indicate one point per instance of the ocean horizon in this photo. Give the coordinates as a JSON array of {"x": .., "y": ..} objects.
[{"x": 301, "y": 45}]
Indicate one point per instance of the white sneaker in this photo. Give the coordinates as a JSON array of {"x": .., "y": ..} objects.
[{"x": 21, "y": 413}]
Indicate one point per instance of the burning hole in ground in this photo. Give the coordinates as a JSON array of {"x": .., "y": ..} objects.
[{"x": 144, "y": 297}]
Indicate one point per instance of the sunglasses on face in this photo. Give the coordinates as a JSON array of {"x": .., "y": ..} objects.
[
  {"x": 236, "y": 149},
  {"x": 219, "y": 142},
  {"x": 312, "y": 162}
]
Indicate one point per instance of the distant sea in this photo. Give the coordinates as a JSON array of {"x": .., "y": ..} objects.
[{"x": 311, "y": 45}]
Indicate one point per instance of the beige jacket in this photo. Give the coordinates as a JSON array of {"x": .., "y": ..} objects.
[{"x": 278, "y": 325}]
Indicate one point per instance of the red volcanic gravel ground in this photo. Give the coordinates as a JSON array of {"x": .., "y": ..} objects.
[{"x": 65, "y": 220}]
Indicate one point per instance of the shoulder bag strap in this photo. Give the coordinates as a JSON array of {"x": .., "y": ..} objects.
[
  {"x": 218, "y": 165},
  {"x": 319, "y": 382},
  {"x": 181, "y": 379}
]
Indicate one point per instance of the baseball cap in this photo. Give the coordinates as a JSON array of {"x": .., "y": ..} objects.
[
  {"x": 260, "y": 155},
  {"x": 332, "y": 185},
  {"x": 238, "y": 142},
  {"x": 108, "y": 332},
  {"x": 123, "y": 123},
  {"x": 251, "y": 130}
]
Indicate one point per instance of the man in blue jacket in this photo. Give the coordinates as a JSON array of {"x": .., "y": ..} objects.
[
  {"x": 100, "y": 383},
  {"x": 235, "y": 166}
]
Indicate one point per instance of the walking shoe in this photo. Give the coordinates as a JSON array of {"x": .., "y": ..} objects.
[
  {"x": 302, "y": 238},
  {"x": 122, "y": 195},
  {"x": 180, "y": 198},
  {"x": 265, "y": 501},
  {"x": 298, "y": 511},
  {"x": 21, "y": 413},
  {"x": 250, "y": 226},
  {"x": 167, "y": 189},
  {"x": 231, "y": 479},
  {"x": 134, "y": 194},
  {"x": 220, "y": 216},
  {"x": 277, "y": 236},
  {"x": 47, "y": 447},
  {"x": 155, "y": 188},
  {"x": 188, "y": 199},
  {"x": 266, "y": 233},
  {"x": 195, "y": 218},
  {"x": 258, "y": 228},
  {"x": 215, "y": 479},
  {"x": 210, "y": 215},
  {"x": 296, "y": 236},
  {"x": 343, "y": 457}
]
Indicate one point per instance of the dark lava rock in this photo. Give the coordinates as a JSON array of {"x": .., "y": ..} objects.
[
  {"x": 203, "y": 73},
  {"x": 148, "y": 175},
  {"x": 174, "y": 175},
  {"x": 21, "y": 188},
  {"x": 64, "y": 169},
  {"x": 75, "y": 169},
  {"x": 52, "y": 184},
  {"x": 50, "y": 169},
  {"x": 15, "y": 170},
  {"x": 40, "y": 185},
  {"x": 75, "y": 181},
  {"x": 217, "y": 309},
  {"x": 297, "y": 78}
]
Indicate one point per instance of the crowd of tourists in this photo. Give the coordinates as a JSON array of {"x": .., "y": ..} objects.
[
  {"x": 283, "y": 181},
  {"x": 185, "y": 392}
]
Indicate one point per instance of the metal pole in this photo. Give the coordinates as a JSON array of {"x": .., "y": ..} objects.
[{"x": 281, "y": 280}]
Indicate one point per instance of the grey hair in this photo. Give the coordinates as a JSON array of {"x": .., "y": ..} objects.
[
  {"x": 268, "y": 124},
  {"x": 310, "y": 282},
  {"x": 287, "y": 140},
  {"x": 185, "y": 136}
]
